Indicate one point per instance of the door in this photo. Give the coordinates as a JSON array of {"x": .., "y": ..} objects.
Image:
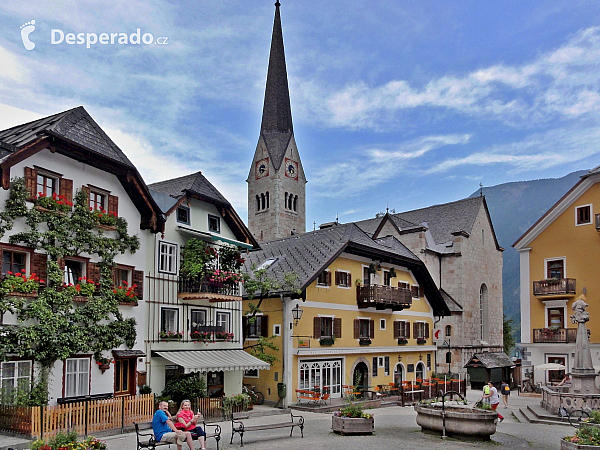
[
  {"x": 556, "y": 317},
  {"x": 398, "y": 374},
  {"x": 360, "y": 377},
  {"x": 125, "y": 376}
]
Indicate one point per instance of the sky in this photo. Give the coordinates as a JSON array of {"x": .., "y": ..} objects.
[{"x": 397, "y": 104}]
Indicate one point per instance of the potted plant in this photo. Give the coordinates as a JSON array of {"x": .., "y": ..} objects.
[
  {"x": 201, "y": 336},
  {"x": 103, "y": 362},
  {"x": 327, "y": 340},
  {"x": 20, "y": 283},
  {"x": 372, "y": 269},
  {"x": 392, "y": 273},
  {"x": 358, "y": 282},
  {"x": 352, "y": 420}
]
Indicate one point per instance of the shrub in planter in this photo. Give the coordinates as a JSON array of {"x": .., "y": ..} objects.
[
  {"x": 352, "y": 420},
  {"x": 586, "y": 435}
]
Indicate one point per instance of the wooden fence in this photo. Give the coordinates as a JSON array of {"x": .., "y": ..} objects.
[{"x": 83, "y": 417}]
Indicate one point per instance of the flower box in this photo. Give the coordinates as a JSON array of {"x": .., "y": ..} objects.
[
  {"x": 421, "y": 341},
  {"x": 170, "y": 336},
  {"x": 326, "y": 341},
  {"x": 22, "y": 294},
  {"x": 42, "y": 209},
  {"x": 107, "y": 227},
  {"x": 402, "y": 341},
  {"x": 364, "y": 341},
  {"x": 224, "y": 336},
  {"x": 567, "y": 445},
  {"x": 201, "y": 336},
  {"x": 350, "y": 425},
  {"x": 135, "y": 303}
]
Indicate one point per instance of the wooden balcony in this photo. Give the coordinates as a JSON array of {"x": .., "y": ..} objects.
[
  {"x": 554, "y": 336},
  {"x": 202, "y": 289},
  {"x": 554, "y": 286},
  {"x": 383, "y": 297}
]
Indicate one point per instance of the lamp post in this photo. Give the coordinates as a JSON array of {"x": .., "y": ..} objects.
[{"x": 297, "y": 314}]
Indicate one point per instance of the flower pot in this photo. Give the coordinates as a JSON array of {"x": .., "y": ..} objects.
[
  {"x": 104, "y": 367},
  {"x": 22, "y": 294},
  {"x": 566, "y": 445},
  {"x": 350, "y": 425}
]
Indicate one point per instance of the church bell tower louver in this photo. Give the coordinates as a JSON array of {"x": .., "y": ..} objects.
[{"x": 276, "y": 182}]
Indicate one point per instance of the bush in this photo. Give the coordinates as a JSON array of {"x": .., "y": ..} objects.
[
  {"x": 189, "y": 386},
  {"x": 586, "y": 435}
]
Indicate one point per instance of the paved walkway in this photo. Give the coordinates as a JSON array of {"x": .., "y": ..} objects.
[{"x": 395, "y": 428}]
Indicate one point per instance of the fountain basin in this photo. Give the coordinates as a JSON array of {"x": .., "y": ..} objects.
[{"x": 462, "y": 422}]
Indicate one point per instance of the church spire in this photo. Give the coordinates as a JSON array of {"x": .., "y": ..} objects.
[{"x": 277, "y": 113}]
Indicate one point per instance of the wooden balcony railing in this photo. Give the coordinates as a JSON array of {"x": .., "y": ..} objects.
[
  {"x": 200, "y": 285},
  {"x": 554, "y": 286},
  {"x": 558, "y": 336},
  {"x": 383, "y": 297}
]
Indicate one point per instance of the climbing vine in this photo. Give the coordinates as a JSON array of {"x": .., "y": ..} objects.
[{"x": 51, "y": 326}]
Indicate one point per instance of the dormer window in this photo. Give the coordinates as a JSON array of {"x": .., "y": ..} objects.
[
  {"x": 183, "y": 215},
  {"x": 214, "y": 224},
  {"x": 268, "y": 263}
]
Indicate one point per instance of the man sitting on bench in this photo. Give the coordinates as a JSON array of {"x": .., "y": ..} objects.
[{"x": 164, "y": 430}]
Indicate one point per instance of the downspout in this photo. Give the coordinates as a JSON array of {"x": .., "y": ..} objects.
[{"x": 284, "y": 347}]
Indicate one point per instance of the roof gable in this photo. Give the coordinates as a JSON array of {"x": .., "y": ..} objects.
[{"x": 194, "y": 183}]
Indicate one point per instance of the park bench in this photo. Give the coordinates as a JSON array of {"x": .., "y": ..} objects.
[
  {"x": 237, "y": 426},
  {"x": 147, "y": 440}
]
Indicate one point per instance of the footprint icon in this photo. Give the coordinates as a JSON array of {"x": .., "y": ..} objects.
[{"x": 26, "y": 30}]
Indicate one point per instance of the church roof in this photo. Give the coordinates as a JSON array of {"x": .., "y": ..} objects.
[
  {"x": 74, "y": 125},
  {"x": 194, "y": 183},
  {"x": 276, "y": 127},
  {"x": 308, "y": 254}
]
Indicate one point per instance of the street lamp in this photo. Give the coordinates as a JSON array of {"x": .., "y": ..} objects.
[{"x": 297, "y": 314}]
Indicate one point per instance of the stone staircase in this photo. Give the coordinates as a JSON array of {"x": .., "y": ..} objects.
[{"x": 537, "y": 414}]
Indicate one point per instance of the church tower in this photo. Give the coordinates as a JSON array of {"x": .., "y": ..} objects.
[{"x": 276, "y": 182}]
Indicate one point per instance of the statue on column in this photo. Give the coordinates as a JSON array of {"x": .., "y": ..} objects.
[{"x": 582, "y": 372}]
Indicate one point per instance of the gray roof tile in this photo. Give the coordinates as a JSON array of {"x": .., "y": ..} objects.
[{"x": 194, "y": 183}]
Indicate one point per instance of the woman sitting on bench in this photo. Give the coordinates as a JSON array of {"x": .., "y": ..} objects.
[{"x": 187, "y": 421}]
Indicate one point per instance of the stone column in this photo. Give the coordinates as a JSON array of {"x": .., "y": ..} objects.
[{"x": 583, "y": 374}]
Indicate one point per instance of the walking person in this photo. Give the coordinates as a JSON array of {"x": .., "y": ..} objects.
[
  {"x": 485, "y": 397},
  {"x": 494, "y": 399},
  {"x": 505, "y": 390}
]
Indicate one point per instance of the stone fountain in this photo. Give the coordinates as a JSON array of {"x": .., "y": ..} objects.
[{"x": 583, "y": 391}]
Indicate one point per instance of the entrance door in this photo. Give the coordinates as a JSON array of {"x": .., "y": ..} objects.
[
  {"x": 325, "y": 375},
  {"x": 556, "y": 376},
  {"x": 360, "y": 377},
  {"x": 420, "y": 373},
  {"x": 398, "y": 374}
]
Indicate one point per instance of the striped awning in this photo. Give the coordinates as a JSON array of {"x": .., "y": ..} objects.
[{"x": 214, "y": 360}]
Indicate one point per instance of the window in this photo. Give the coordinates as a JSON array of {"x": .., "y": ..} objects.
[
  {"x": 401, "y": 329},
  {"x": 266, "y": 264},
  {"x": 257, "y": 203},
  {"x": 13, "y": 261},
  {"x": 555, "y": 268},
  {"x": 448, "y": 357},
  {"x": 15, "y": 377},
  {"x": 386, "y": 278},
  {"x": 448, "y": 331},
  {"x": 197, "y": 320},
  {"x": 255, "y": 327},
  {"x": 483, "y": 311},
  {"x": 382, "y": 324},
  {"x": 46, "y": 184},
  {"x": 183, "y": 215},
  {"x": 583, "y": 215},
  {"x": 124, "y": 374},
  {"x": 326, "y": 326},
  {"x": 428, "y": 361},
  {"x": 97, "y": 200},
  {"x": 267, "y": 196},
  {"x": 167, "y": 257},
  {"x": 342, "y": 279},
  {"x": 403, "y": 285},
  {"x": 364, "y": 329},
  {"x": 251, "y": 373},
  {"x": 556, "y": 317},
  {"x": 77, "y": 377},
  {"x": 73, "y": 271},
  {"x": 223, "y": 321},
  {"x": 169, "y": 320},
  {"x": 420, "y": 330},
  {"x": 324, "y": 278},
  {"x": 277, "y": 330},
  {"x": 122, "y": 275},
  {"x": 416, "y": 291},
  {"x": 214, "y": 224}
]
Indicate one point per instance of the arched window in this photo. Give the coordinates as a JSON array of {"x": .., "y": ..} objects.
[
  {"x": 267, "y": 199},
  {"x": 262, "y": 201},
  {"x": 448, "y": 331},
  {"x": 285, "y": 200},
  {"x": 448, "y": 357},
  {"x": 290, "y": 200},
  {"x": 483, "y": 312},
  {"x": 295, "y": 202},
  {"x": 420, "y": 372},
  {"x": 257, "y": 203},
  {"x": 398, "y": 374}
]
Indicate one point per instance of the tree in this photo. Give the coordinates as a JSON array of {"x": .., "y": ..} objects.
[
  {"x": 51, "y": 326},
  {"x": 507, "y": 335},
  {"x": 260, "y": 284}
]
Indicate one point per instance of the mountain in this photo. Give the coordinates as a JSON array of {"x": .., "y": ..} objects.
[{"x": 514, "y": 207}]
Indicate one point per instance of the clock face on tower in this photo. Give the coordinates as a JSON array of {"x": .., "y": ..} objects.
[
  {"x": 291, "y": 169},
  {"x": 262, "y": 168}
]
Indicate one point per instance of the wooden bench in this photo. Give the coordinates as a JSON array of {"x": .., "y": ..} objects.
[
  {"x": 147, "y": 440},
  {"x": 237, "y": 426}
]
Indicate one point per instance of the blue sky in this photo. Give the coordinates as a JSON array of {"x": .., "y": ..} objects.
[{"x": 397, "y": 103}]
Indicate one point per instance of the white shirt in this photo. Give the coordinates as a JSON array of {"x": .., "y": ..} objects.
[{"x": 495, "y": 398}]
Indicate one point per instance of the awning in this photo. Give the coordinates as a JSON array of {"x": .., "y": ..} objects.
[
  {"x": 214, "y": 360},
  {"x": 214, "y": 236},
  {"x": 128, "y": 353}
]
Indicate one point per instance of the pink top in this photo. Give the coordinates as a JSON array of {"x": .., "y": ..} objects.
[{"x": 187, "y": 416}]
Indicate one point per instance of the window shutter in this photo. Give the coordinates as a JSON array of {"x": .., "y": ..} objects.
[
  {"x": 113, "y": 204},
  {"x": 337, "y": 278},
  {"x": 30, "y": 182},
  {"x": 138, "y": 278},
  {"x": 396, "y": 329},
  {"x": 414, "y": 291},
  {"x": 349, "y": 279},
  {"x": 66, "y": 189},
  {"x": 356, "y": 328},
  {"x": 337, "y": 327},
  {"x": 426, "y": 331},
  {"x": 371, "y": 329},
  {"x": 39, "y": 263},
  {"x": 264, "y": 326},
  {"x": 244, "y": 327},
  {"x": 317, "y": 327},
  {"x": 328, "y": 278},
  {"x": 87, "y": 194},
  {"x": 374, "y": 366},
  {"x": 415, "y": 330},
  {"x": 61, "y": 264},
  {"x": 387, "y": 365},
  {"x": 92, "y": 272}
]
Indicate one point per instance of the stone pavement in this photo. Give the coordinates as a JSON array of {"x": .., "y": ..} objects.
[{"x": 395, "y": 428}]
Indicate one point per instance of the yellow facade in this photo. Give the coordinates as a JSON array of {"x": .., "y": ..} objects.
[
  {"x": 340, "y": 302},
  {"x": 579, "y": 247}
]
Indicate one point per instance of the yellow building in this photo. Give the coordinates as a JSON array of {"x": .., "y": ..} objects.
[
  {"x": 557, "y": 264},
  {"x": 368, "y": 312}
]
